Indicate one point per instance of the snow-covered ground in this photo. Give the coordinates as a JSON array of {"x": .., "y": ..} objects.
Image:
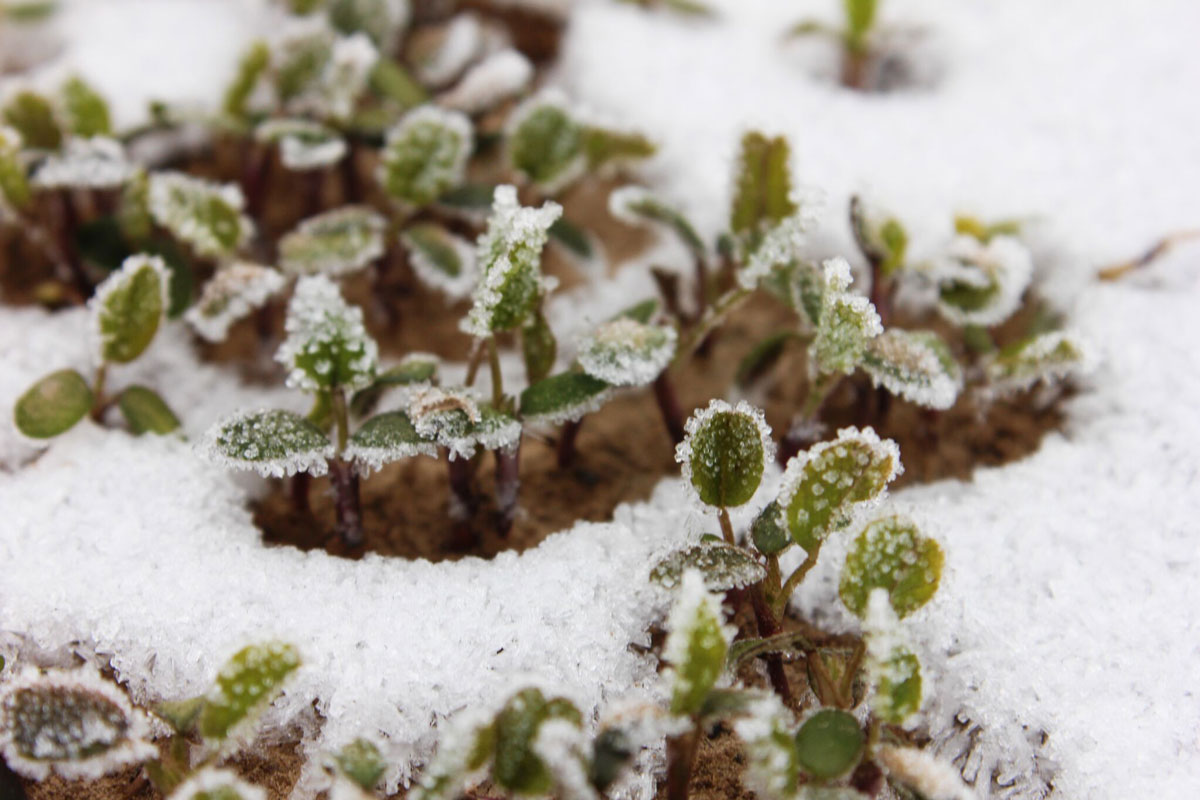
[{"x": 1071, "y": 606}]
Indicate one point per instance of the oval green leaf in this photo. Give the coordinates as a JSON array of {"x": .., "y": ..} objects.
[
  {"x": 724, "y": 453},
  {"x": 829, "y": 743},
  {"x": 246, "y": 684},
  {"x": 567, "y": 396},
  {"x": 129, "y": 307},
  {"x": 723, "y": 566},
  {"x": 53, "y": 405},
  {"x": 146, "y": 412},
  {"x": 891, "y": 554}
]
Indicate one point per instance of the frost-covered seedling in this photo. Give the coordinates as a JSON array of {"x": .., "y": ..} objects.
[
  {"x": 217, "y": 784},
  {"x": 1042, "y": 358},
  {"x": 627, "y": 352},
  {"x": 425, "y": 155},
  {"x": 441, "y": 260},
  {"x": 335, "y": 243},
  {"x": 74, "y": 723},
  {"x": 330, "y": 355},
  {"x": 204, "y": 215},
  {"x": 982, "y": 283},
  {"x": 380, "y": 20},
  {"x": 915, "y": 365},
  {"x": 455, "y": 420},
  {"x": 126, "y": 312},
  {"x": 96, "y": 163},
  {"x": 860, "y": 37},
  {"x": 502, "y": 75},
  {"x": 232, "y": 293},
  {"x": 304, "y": 145}
]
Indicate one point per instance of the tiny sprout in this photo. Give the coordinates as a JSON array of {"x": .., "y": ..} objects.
[
  {"x": 1045, "y": 358},
  {"x": 84, "y": 110},
  {"x": 217, "y": 784},
  {"x": 97, "y": 163},
  {"x": 206, "y": 216},
  {"x": 74, "y": 723},
  {"x": 859, "y": 38},
  {"x": 425, "y": 155},
  {"x": 457, "y": 421},
  {"x": 303, "y": 145},
  {"x": 335, "y": 243},
  {"x": 232, "y": 293},
  {"x": 762, "y": 189},
  {"x": 327, "y": 346},
  {"x": 724, "y": 454},
  {"x": 982, "y": 283},
  {"x": 847, "y": 323},
  {"x": 697, "y": 643},
  {"x": 893, "y": 555},
  {"x": 892, "y": 668}
]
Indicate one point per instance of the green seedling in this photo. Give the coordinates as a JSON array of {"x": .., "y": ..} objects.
[
  {"x": 235, "y": 291},
  {"x": 425, "y": 156},
  {"x": 690, "y": 8},
  {"x": 861, "y": 38},
  {"x": 126, "y": 313},
  {"x": 334, "y": 243}
]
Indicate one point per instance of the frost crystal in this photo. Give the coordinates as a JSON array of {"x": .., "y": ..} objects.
[
  {"x": 232, "y": 293},
  {"x": 334, "y": 243},
  {"x": 303, "y": 144},
  {"x": 203, "y": 214},
  {"x": 216, "y": 784},
  {"x": 700, "y": 457},
  {"x": 96, "y": 163},
  {"x": 327, "y": 346},
  {"x": 127, "y": 308},
  {"x": 723, "y": 566},
  {"x": 461, "y": 42},
  {"x": 982, "y": 284},
  {"x": 696, "y": 644},
  {"x": 509, "y": 254},
  {"x": 272, "y": 443},
  {"x": 441, "y": 259},
  {"x": 490, "y": 82},
  {"x": 1046, "y": 358},
  {"x": 385, "y": 438},
  {"x": 455, "y": 420},
  {"x": 73, "y": 722},
  {"x": 625, "y": 352},
  {"x": 345, "y": 76},
  {"x": 463, "y": 751},
  {"x": 544, "y": 141},
  {"x": 931, "y": 778},
  {"x": 916, "y": 365},
  {"x": 847, "y": 323},
  {"x": 765, "y": 730},
  {"x": 563, "y": 748},
  {"x": 425, "y": 155},
  {"x": 781, "y": 245},
  {"x": 566, "y": 397}
]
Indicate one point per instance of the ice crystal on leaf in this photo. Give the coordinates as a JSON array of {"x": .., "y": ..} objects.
[
  {"x": 915, "y": 365},
  {"x": 626, "y": 352},
  {"x": 327, "y": 346},
  {"x": 509, "y": 254},
  {"x": 765, "y": 730},
  {"x": 1045, "y": 358},
  {"x": 385, "y": 438},
  {"x": 725, "y": 452},
  {"x": 697, "y": 642},
  {"x": 566, "y": 397},
  {"x": 780, "y": 246},
  {"x": 441, "y": 259},
  {"x": 345, "y": 76},
  {"x": 723, "y": 566},
  {"x": 893, "y": 670},
  {"x": 128, "y": 308},
  {"x": 216, "y": 784},
  {"x": 455, "y": 420},
  {"x": 207, "y": 216},
  {"x": 380, "y": 20},
  {"x": 460, "y": 44},
  {"x": 762, "y": 188},
  {"x": 303, "y": 144},
  {"x": 96, "y": 163},
  {"x": 271, "y": 442},
  {"x": 425, "y": 155},
  {"x": 251, "y": 679},
  {"x": 72, "y": 722},
  {"x": 982, "y": 283},
  {"x": 922, "y": 773},
  {"x": 498, "y": 77},
  {"x": 847, "y": 323},
  {"x": 545, "y": 143},
  {"x": 334, "y": 243},
  {"x": 893, "y": 555},
  {"x": 14, "y": 185},
  {"x": 232, "y": 293},
  {"x": 823, "y": 487}
]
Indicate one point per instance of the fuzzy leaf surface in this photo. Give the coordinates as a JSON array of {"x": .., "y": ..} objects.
[
  {"x": 915, "y": 365},
  {"x": 723, "y": 566}
]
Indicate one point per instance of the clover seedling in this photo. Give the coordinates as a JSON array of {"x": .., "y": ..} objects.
[
  {"x": 1042, "y": 358},
  {"x": 335, "y": 243},
  {"x": 425, "y": 156},
  {"x": 126, "y": 313},
  {"x": 73, "y": 723},
  {"x": 861, "y": 39},
  {"x": 236, "y": 290},
  {"x": 205, "y": 216}
]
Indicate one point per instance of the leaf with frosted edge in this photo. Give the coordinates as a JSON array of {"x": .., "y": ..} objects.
[
  {"x": 272, "y": 443},
  {"x": 539, "y": 348},
  {"x": 72, "y": 722},
  {"x": 248, "y": 683},
  {"x": 765, "y": 731},
  {"x": 566, "y": 397},
  {"x": 602, "y": 146},
  {"x": 385, "y": 438},
  {"x": 128, "y": 307},
  {"x": 466, "y": 746},
  {"x": 327, "y": 345},
  {"x": 567, "y": 752},
  {"x": 493, "y": 80},
  {"x": 231, "y": 294},
  {"x": 14, "y": 184},
  {"x": 544, "y": 142},
  {"x": 425, "y": 155},
  {"x": 361, "y": 762},
  {"x": 982, "y": 283},
  {"x": 635, "y": 205},
  {"x": 725, "y": 452},
  {"x": 96, "y": 163},
  {"x": 509, "y": 254},
  {"x": 891, "y": 554},
  {"x": 829, "y": 743},
  {"x": 517, "y": 766},
  {"x": 344, "y": 78},
  {"x": 456, "y": 421},
  {"x": 573, "y": 238},
  {"x": 146, "y": 412},
  {"x": 250, "y": 69},
  {"x": 206, "y": 216},
  {"x": 896, "y": 677},
  {"x": 848, "y": 322},
  {"x": 762, "y": 188},
  {"x": 916, "y": 365},
  {"x": 625, "y": 352},
  {"x": 723, "y": 566},
  {"x": 32, "y": 115},
  {"x": 1044, "y": 358},
  {"x": 84, "y": 110},
  {"x": 53, "y": 405},
  {"x": 303, "y": 144},
  {"x": 298, "y": 58},
  {"x": 379, "y": 20},
  {"x": 778, "y": 247},
  {"x": 696, "y": 645},
  {"x": 923, "y": 773},
  {"x": 334, "y": 243},
  {"x": 822, "y": 487},
  {"x": 211, "y": 783},
  {"x": 441, "y": 260}
]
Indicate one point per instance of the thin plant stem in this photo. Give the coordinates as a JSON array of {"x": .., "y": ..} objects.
[
  {"x": 668, "y": 405},
  {"x": 345, "y": 480},
  {"x": 99, "y": 403},
  {"x": 726, "y": 527},
  {"x": 473, "y": 364},
  {"x": 508, "y": 486},
  {"x": 681, "y": 758},
  {"x": 715, "y": 314},
  {"x": 768, "y": 625},
  {"x": 497, "y": 378},
  {"x": 793, "y": 580},
  {"x": 566, "y": 442},
  {"x": 846, "y": 689}
]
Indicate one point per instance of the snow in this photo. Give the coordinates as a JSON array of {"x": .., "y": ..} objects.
[{"x": 1068, "y": 606}]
